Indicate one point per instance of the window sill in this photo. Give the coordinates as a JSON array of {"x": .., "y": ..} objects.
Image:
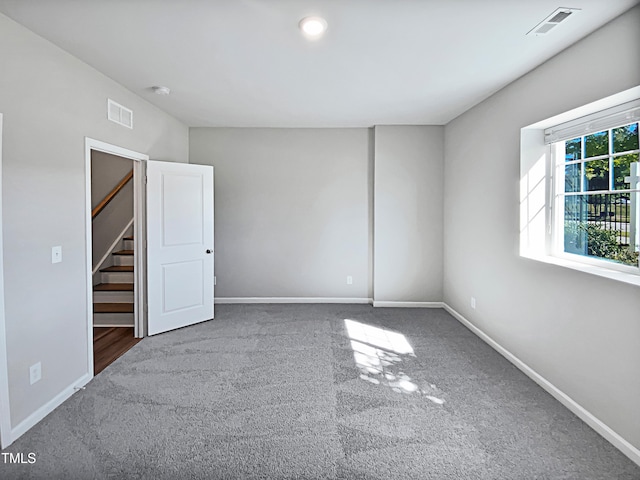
[{"x": 619, "y": 276}]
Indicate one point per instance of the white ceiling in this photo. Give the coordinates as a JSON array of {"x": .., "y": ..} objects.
[{"x": 244, "y": 62}]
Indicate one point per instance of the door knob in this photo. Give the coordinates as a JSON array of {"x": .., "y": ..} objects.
[{"x": 209, "y": 251}]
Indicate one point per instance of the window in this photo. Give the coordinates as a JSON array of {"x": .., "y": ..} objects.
[
  {"x": 580, "y": 188},
  {"x": 596, "y": 196}
]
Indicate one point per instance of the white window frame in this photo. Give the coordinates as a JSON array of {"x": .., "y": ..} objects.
[
  {"x": 541, "y": 218},
  {"x": 556, "y": 233}
]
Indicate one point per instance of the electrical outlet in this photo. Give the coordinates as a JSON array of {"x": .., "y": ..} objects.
[
  {"x": 349, "y": 280},
  {"x": 56, "y": 254},
  {"x": 473, "y": 302},
  {"x": 35, "y": 373}
]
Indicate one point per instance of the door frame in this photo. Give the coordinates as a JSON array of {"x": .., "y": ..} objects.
[
  {"x": 138, "y": 235},
  {"x": 5, "y": 412}
]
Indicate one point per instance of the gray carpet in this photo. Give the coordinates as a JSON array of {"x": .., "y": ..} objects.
[{"x": 295, "y": 392}]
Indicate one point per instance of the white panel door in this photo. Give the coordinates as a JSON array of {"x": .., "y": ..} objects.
[{"x": 179, "y": 245}]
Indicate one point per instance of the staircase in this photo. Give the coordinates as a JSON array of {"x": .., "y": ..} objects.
[{"x": 113, "y": 298}]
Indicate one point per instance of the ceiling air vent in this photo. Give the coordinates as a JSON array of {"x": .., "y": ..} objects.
[
  {"x": 119, "y": 114},
  {"x": 552, "y": 21}
]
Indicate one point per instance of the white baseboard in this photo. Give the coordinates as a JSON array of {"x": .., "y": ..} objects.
[
  {"x": 223, "y": 300},
  {"x": 47, "y": 408},
  {"x": 409, "y": 304},
  {"x": 292, "y": 300},
  {"x": 614, "y": 438}
]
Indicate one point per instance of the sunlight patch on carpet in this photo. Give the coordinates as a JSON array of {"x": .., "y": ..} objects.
[{"x": 379, "y": 354}]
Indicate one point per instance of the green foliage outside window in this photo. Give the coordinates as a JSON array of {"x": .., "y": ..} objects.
[{"x": 599, "y": 242}]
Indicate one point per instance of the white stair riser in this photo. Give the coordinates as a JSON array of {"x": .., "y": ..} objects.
[
  {"x": 117, "y": 277},
  {"x": 113, "y": 319},
  {"x": 123, "y": 259},
  {"x": 128, "y": 244},
  {"x": 113, "y": 297}
]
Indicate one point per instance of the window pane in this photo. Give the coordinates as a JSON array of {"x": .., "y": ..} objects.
[
  {"x": 573, "y": 150},
  {"x": 598, "y": 226},
  {"x": 597, "y": 144},
  {"x": 572, "y": 178},
  {"x": 622, "y": 169},
  {"x": 625, "y": 138},
  {"x": 596, "y": 175},
  {"x": 575, "y": 216}
]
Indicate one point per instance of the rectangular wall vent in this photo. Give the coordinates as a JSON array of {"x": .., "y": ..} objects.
[
  {"x": 552, "y": 21},
  {"x": 560, "y": 16},
  {"x": 544, "y": 28},
  {"x": 119, "y": 114}
]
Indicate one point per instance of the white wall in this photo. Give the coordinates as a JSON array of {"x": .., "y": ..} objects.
[
  {"x": 578, "y": 331},
  {"x": 295, "y": 216},
  {"x": 292, "y": 210},
  {"x": 51, "y": 101},
  {"x": 106, "y": 172},
  {"x": 408, "y": 194}
]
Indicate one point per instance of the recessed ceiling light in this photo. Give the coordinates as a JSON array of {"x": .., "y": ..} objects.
[
  {"x": 313, "y": 27},
  {"x": 159, "y": 90}
]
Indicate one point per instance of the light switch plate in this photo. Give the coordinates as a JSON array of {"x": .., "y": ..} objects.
[
  {"x": 56, "y": 254},
  {"x": 35, "y": 373}
]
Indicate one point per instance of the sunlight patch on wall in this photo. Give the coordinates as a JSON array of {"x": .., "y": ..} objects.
[{"x": 532, "y": 207}]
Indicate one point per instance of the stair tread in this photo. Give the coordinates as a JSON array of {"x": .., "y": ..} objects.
[
  {"x": 113, "y": 287},
  {"x": 113, "y": 308},
  {"x": 118, "y": 268},
  {"x": 123, "y": 252}
]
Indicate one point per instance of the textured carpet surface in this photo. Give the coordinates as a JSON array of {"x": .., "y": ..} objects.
[{"x": 315, "y": 392}]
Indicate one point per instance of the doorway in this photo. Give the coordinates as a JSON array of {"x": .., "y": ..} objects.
[
  {"x": 113, "y": 257},
  {"x": 114, "y": 212},
  {"x": 174, "y": 271}
]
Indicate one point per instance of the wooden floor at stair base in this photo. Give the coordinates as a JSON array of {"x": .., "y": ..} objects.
[{"x": 109, "y": 344}]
